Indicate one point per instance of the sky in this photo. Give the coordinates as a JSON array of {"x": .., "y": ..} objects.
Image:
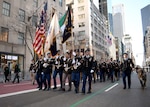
[{"x": 133, "y": 24}]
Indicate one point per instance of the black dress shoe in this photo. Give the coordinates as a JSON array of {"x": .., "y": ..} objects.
[
  {"x": 69, "y": 89},
  {"x": 63, "y": 89},
  {"x": 89, "y": 92},
  {"x": 124, "y": 87},
  {"x": 83, "y": 92},
  {"x": 44, "y": 88},
  {"x": 40, "y": 88},
  {"x": 54, "y": 88}
]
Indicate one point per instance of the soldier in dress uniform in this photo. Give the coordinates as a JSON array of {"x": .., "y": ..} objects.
[
  {"x": 58, "y": 69},
  {"x": 88, "y": 61},
  {"x": 76, "y": 71},
  {"x": 67, "y": 70},
  {"x": 39, "y": 73},
  {"x": 116, "y": 70},
  {"x": 47, "y": 69},
  {"x": 127, "y": 66},
  {"x": 32, "y": 71},
  {"x": 102, "y": 67},
  {"x": 111, "y": 69}
]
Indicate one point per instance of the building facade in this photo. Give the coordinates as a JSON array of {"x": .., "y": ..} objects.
[
  {"x": 17, "y": 29},
  {"x": 90, "y": 28},
  {"x": 145, "y": 18},
  {"x": 147, "y": 46},
  {"x": 118, "y": 28},
  {"x": 128, "y": 44}
]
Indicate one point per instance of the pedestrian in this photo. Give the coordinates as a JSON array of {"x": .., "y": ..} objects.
[
  {"x": 126, "y": 66},
  {"x": 6, "y": 72},
  {"x": 32, "y": 71},
  {"x": 88, "y": 63},
  {"x": 16, "y": 71}
]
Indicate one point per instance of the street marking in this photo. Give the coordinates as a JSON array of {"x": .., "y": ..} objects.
[
  {"x": 25, "y": 91},
  {"x": 17, "y": 84},
  {"x": 16, "y": 93},
  {"x": 92, "y": 95},
  {"x": 111, "y": 87}
]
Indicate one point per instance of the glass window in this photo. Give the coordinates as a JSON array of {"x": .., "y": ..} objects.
[
  {"x": 21, "y": 38},
  {"x": 6, "y": 9},
  {"x": 82, "y": 32},
  {"x": 81, "y": 8},
  {"x": 4, "y": 34},
  {"x": 21, "y": 15},
  {"x": 80, "y": 1},
  {"x": 60, "y": 15},
  {"x": 81, "y": 16},
  {"x": 34, "y": 20},
  {"x": 35, "y": 3},
  {"x": 60, "y": 3},
  {"x": 81, "y": 24}
]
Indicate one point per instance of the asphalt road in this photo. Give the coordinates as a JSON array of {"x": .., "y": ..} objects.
[{"x": 103, "y": 95}]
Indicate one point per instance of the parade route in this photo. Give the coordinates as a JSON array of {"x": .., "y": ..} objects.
[{"x": 105, "y": 94}]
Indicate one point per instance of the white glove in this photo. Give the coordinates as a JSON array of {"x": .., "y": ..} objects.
[
  {"x": 73, "y": 62},
  {"x": 92, "y": 71}
]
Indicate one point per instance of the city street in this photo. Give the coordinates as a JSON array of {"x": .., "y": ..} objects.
[{"x": 103, "y": 95}]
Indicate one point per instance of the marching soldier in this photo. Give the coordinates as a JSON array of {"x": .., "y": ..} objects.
[
  {"x": 111, "y": 69},
  {"x": 47, "y": 69},
  {"x": 116, "y": 70},
  {"x": 58, "y": 69},
  {"x": 32, "y": 71},
  {"x": 88, "y": 61},
  {"x": 102, "y": 67},
  {"x": 94, "y": 67},
  {"x": 76, "y": 71},
  {"x": 67, "y": 71},
  {"x": 127, "y": 66},
  {"x": 39, "y": 73}
]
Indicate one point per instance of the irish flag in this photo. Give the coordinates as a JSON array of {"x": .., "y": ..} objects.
[{"x": 66, "y": 25}]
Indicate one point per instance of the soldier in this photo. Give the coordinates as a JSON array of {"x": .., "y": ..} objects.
[
  {"x": 102, "y": 67},
  {"x": 47, "y": 71},
  {"x": 94, "y": 67},
  {"x": 111, "y": 69},
  {"x": 32, "y": 71},
  {"x": 116, "y": 70},
  {"x": 126, "y": 69},
  {"x": 58, "y": 69},
  {"x": 67, "y": 71},
  {"x": 76, "y": 71},
  {"x": 39, "y": 67},
  {"x": 88, "y": 61}
]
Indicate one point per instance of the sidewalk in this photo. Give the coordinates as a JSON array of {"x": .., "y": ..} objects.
[{"x": 24, "y": 85}]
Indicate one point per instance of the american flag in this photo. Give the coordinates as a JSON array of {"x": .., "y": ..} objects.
[{"x": 40, "y": 33}]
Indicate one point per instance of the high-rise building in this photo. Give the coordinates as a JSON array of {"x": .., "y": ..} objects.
[
  {"x": 103, "y": 8},
  {"x": 90, "y": 28},
  {"x": 118, "y": 20},
  {"x": 118, "y": 28},
  {"x": 145, "y": 14},
  {"x": 17, "y": 29},
  {"x": 147, "y": 44},
  {"x": 128, "y": 44}
]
